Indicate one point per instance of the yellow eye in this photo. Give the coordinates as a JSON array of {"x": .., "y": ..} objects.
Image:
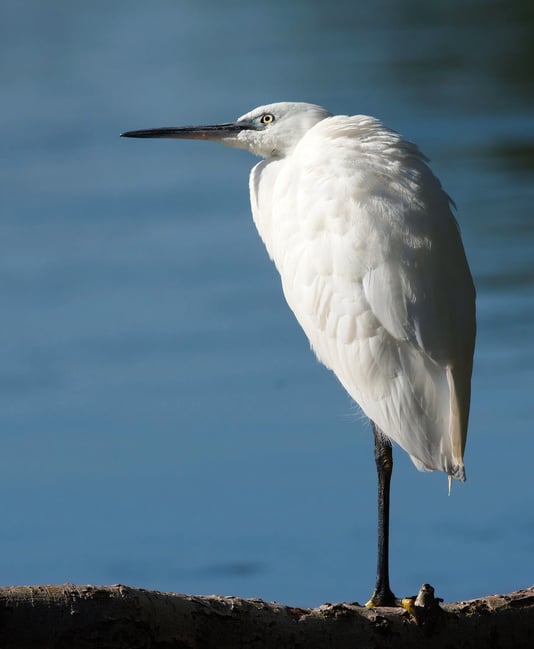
[{"x": 267, "y": 118}]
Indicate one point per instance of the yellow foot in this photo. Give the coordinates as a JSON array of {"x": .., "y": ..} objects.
[{"x": 408, "y": 603}]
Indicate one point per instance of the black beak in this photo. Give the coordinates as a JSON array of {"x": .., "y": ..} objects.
[{"x": 210, "y": 132}]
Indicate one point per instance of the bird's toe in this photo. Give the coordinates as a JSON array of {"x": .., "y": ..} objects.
[{"x": 382, "y": 598}]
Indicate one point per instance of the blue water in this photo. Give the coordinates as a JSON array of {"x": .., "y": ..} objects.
[{"x": 163, "y": 422}]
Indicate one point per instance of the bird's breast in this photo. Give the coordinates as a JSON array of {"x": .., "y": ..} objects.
[{"x": 319, "y": 243}]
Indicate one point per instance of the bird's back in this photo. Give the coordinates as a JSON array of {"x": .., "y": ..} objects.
[{"x": 373, "y": 267}]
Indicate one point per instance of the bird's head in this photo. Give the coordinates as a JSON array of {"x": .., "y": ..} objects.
[{"x": 268, "y": 131}]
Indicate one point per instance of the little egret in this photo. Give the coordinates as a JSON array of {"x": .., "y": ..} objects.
[{"x": 373, "y": 267}]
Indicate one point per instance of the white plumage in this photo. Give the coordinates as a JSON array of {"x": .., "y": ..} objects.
[{"x": 373, "y": 267}]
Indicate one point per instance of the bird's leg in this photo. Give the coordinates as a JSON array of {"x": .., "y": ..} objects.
[{"x": 382, "y": 595}]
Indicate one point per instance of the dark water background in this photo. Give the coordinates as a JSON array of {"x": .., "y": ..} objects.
[{"x": 163, "y": 423}]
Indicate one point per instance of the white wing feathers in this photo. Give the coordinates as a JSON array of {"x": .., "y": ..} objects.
[{"x": 373, "y": 267}]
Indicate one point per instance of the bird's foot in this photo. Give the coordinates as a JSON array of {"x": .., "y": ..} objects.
[{"x": 382, "y": 597}]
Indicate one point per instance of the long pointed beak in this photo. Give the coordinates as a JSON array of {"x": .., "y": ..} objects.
[{"x": 210, "y": 132}]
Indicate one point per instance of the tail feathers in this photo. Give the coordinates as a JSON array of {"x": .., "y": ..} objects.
[{"x": 453, "y": 471}]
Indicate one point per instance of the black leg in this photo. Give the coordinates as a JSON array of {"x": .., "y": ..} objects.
[{"x": 382, "y": 595}]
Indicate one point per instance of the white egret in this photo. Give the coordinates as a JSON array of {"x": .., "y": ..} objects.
[{"x": 373, "y": 267}]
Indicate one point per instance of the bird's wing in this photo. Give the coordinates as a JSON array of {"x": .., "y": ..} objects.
[{"x": 424, "y": 298}]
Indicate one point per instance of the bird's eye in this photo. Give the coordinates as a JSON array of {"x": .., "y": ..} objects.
[{"x": 267, "y": 118}]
